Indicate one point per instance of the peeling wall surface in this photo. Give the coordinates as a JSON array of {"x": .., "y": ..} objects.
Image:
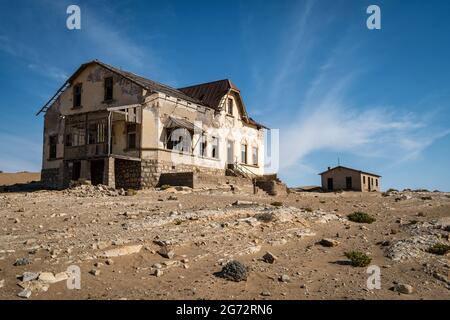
[{"x": 214, "y": 129}]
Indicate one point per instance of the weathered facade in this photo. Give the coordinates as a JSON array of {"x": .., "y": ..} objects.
[
  {"x": 116, "y": 128},
  {"x": 343, "y": 178}
]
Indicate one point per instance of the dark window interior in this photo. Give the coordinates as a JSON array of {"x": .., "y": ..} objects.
[
  {"x": 131, "y": 136},
  {"x": 52, "y": 144},
  {"x": 108, "y": 88},
  {"x": 77, "y": 95},
  {"x": 230, "y": 106}
]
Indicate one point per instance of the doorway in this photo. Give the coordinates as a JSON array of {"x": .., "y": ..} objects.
[
  {"x": 330, "y": 184},
  {"x": 76, "y": 170},
  {"x": 97, "y": 168}
]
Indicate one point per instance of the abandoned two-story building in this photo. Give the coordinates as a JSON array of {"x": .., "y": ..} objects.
[{"x": 119, "y": 129}]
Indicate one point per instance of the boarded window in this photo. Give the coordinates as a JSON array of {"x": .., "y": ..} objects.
[
  {"x": 97, "y": 132},
  {"x": 77, "y": 95},
  {"x": 255, "y": 156},
  {"x": 243, "y": 153},
  {"x": 230, "y": 106},
  {"x": 53, "y": 143},
  {"x": 131, "y": 136},
  {"x": 215, "y": 147},
  {"x": 108, "y": 88}
]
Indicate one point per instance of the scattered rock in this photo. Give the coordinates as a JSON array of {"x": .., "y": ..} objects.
[
  {"x": 47, "y": 277},
  {"x": 234, "y": 271},
  {"x": 403, "y": 288},
  {"x": 172, "y": 197},
  {"x": 22, "y": 262},
  {"x": 2, "y": 283},
  {"x": 265, "y": 294},
  {"x": 269, "y": 257},
  {"x": 95, "y": 272},
  {"x": 158, "y": 273},
  {"x": 25, "y": 293},
  {"x": 123, "y": 251},
  {"x": 166, "y": 252},
  {"x": 284, "y": 278},
  {"x": 109, "y": 262},
  {"x": 28, "y": 276},
  {"x": 327, "y": 242}
]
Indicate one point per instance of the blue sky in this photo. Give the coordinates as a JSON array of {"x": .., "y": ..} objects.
[{"x": 376, "y": 99}]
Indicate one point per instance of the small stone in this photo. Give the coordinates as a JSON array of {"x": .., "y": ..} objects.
[
  {"x": 158, "y": 272},
  {"x": 234, "y": 271},
  {"x": 172, "y": 197},
  {"x": 123, "y": 251},
  {"x": 28, "y": 276},
  {"x": 22, "y": 262},
  {"x": 25, "y": 293},
  {"x": 47, "y": 277},
  {"x": 403, "y": 288},
  {"x": 62, "y": 276},
  {"x": 326, "y": 242},
  {"x": 166, "y": 252},
  {"x": 269, "y": 257},
  {"x": 2, "y": 283},
  {"x": 95, "y": 272},
  {"x": 265, "y": 294},
  {"x": 284, "y": 278},
  {"x": 109, "y": 262}
]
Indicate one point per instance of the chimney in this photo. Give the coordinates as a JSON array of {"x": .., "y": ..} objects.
[{"x": 329, "y": 168}]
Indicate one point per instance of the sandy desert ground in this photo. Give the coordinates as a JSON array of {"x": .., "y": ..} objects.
[{"x": 168, "y": 244}]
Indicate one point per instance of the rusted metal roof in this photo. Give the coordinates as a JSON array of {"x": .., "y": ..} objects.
[
  {"x": 346, "y": 168},
  {"x": 210, "y": 93}
]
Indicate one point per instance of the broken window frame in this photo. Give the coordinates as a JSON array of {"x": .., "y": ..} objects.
[
  {"x": 108, "y": 88},
  {"x": 215, "y": 147},
  {"x": 52, "y": 146},
  {"x": 255, "y": 156},
  {"x": 97, "y": 132},
  {"x": 75, "y": 137},
  {"x": 179, "y": 139},
  {"x": 203, "y": 147},
  {"x": 131, "y": 136},
  {"x": 244, "y": 153},
  {"x": 230, "y": 106},
  {"x": 77, "y": 91}
]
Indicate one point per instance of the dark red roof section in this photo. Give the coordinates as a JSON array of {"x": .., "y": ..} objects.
[
  {"x": 210, "y": 93},
  {"x": 347, "y": 168}
]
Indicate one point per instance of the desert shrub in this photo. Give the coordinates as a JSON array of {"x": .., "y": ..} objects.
[
  {"x": 131, "y": 192},
  {"x": 165, "y": 186},
  {"x": 277, "y": 203},
  {"x": 358, "y": 259},
  {"x": 361, "y": 217},
  {"x": 323, "y": 201},
  {"x": 439, "y": 249},
  {"x": 426, "y": 198},
  {"x": 391, "y": 190},
  {"x": 308, "y": 209}
]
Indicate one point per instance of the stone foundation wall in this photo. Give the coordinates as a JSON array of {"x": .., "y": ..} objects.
[
  {"x": 127, "y": 174},
  {"x": 50, "y": 178},
  {"x": 152, "y": 170},
  {"x": 272, "y": 187},
  {"x": 177, "y": 179}
]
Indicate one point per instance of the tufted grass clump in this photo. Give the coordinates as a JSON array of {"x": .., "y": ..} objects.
[
  {"x": 358, "y": 259},
  {"x": 361, "y": 217},
  {"x": 165, "y": 186}
]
